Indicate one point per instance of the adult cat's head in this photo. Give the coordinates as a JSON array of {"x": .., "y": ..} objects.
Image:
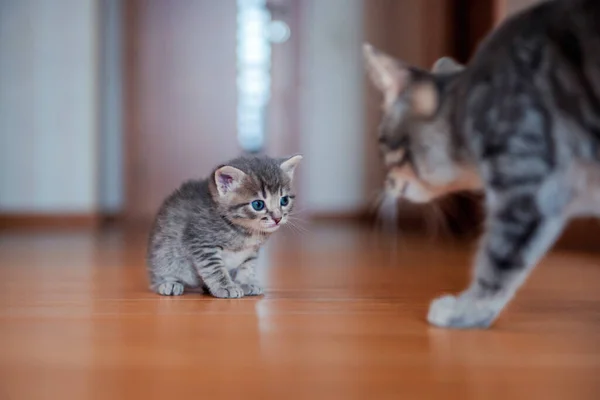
[
  {"x": 255, "y": 192},
  {"x": 423, "y": 159}
]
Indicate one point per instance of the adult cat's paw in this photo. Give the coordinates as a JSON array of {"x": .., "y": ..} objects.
[
  {"x": 170, "y": 289},
  {"x": 233, "y": 291},
  {"x": 463, "y": 312},
  {"x": 252, "y": 290}
]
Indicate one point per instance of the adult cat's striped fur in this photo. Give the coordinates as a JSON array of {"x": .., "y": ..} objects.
[
  {"x": 208, "y": 233},
  {"x": 521, "y": 121}
]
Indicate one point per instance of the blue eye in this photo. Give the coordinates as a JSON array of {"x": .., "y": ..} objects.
[
  {"x": 258, "y": 205},
  {"x": 285, "y": 200}
]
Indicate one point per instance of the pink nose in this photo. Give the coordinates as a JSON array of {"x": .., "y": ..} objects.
[{"x": 276, "y": 220}]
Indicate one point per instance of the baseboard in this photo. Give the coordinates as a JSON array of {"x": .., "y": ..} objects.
[
  {"x": 581, "y": 235},
  {"x": 43, "y": 221}
]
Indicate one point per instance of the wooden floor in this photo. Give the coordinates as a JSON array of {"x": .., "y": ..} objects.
[{"x": 343, "y": 318}]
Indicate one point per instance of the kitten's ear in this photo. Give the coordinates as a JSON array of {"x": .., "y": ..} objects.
[
  {"x": 289, "y": 165},
  {"x": 228, "y": 179},
  {"x": 389, "y": 75},
  {"x": 447, "y": 65}
]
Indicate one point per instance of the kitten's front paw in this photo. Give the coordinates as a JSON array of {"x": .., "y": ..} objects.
[
  {"x": 462, "y": 312},
  {"x": 228, "y": 292},
  {"x": 170, "y": 289},
  {"x": 252, "y": 290}
]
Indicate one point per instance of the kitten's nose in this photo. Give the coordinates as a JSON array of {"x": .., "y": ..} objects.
[{"x": 276, "y": 219}]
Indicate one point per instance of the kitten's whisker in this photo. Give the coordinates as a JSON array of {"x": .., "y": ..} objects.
[
  {"x": 297, "y": 229},
  {"x": 297, "y": 226},
  {"x": 295, "y": 221},
  {"x": 297, "y": 211}
]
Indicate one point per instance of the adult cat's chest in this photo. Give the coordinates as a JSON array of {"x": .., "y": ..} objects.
[{"x": 233, "y": 257}]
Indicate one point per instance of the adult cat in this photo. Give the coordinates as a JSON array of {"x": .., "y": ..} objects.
[{"x": 521, "y": 122}]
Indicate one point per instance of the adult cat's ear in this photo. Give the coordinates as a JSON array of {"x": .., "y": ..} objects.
[
  {"x": 389, "y": 75},
  {"x": 289, "y": 165},
  {"x": 228, "y": 179},
  {"x": 447, "y": 65},
  {"x": 393, "y": 78}
]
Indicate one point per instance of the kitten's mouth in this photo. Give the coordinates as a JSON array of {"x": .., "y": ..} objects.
[{"x": 270, "y": 228}]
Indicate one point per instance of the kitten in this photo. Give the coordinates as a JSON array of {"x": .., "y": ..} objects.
[
  {"x": 521, "y": 122},
  {"x": 208, "y": 232}
]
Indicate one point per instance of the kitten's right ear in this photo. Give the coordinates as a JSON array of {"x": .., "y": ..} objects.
[
  {"x": 289, "y": 165},
  {"x": 228, "y": 179},
  {"x": 389, "y": 75}
]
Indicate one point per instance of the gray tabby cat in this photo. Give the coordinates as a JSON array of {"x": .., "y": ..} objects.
[
  {"x": 521, "y": 122},
  {"x": 208, "y": 233}
]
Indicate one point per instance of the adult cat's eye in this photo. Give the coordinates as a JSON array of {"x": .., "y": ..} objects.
[
  {"x": 394, "y": 142},
  {"x": 285, "y": 200},
  {"x": 258, "y": 205}
]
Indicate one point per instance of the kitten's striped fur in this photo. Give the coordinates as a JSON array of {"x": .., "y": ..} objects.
[
  {"x": 207, "y": 233},
  {"x": 521, "y": 122}
]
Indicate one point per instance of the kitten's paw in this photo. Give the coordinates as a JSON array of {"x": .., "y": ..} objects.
[
  {"x": 170, "y": 289},
  {"x": 228, "y": 292},
  {"x": 462, "y": 312},
  {"x": 252, "y": 290}
]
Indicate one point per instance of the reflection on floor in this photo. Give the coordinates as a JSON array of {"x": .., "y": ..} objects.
[{"x": 343, "y": 318}]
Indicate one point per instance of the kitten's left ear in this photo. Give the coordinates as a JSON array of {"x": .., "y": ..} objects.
[
  {"x": 228, "y": 179},
  {"x": 289, "y": 165}
]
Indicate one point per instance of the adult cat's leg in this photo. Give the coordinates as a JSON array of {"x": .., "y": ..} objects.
[
  {"x": 210, "y": 267},
  {"x": 246, "y": 277},
  {"x": 518, "y": 235}
]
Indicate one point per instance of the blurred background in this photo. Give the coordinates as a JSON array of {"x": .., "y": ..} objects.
[{"x": 106, "y": 106}]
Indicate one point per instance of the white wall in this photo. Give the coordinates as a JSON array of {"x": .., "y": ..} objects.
[
  {"x": 111, "y": 107},
  {"x": 60, "y": 129},
  {"x": 48, "y": 104},
  {"x": 332, "y": 106}
]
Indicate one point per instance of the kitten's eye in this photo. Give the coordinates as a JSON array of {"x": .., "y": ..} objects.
[
  {"x": 258, "y": 205},
  {"x": 285, "y": 200}
]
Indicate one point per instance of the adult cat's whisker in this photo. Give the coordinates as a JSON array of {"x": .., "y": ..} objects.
[
  {"x": 376, "y": 200},
  {"x": 439, "y": 219},
  {"x": 429, "y": 219},
  {"x": 387, "y": 213}
]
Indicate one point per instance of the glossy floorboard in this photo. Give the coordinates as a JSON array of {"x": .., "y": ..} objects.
[{"x": 343, "y": 318}]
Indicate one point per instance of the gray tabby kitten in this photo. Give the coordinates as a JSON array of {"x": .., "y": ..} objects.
[
  {"x": 521, "y": 122},
  {"x": 208, "y": 233}
]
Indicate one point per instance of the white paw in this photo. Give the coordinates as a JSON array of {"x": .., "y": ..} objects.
[
  {"x": 462, "y": 312},
  {"x": 228, "y": 292},
  {"x": 252, "y": 290},
  {"x": 441, "y": 310},
  {"x": 170, "y": 289}
]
